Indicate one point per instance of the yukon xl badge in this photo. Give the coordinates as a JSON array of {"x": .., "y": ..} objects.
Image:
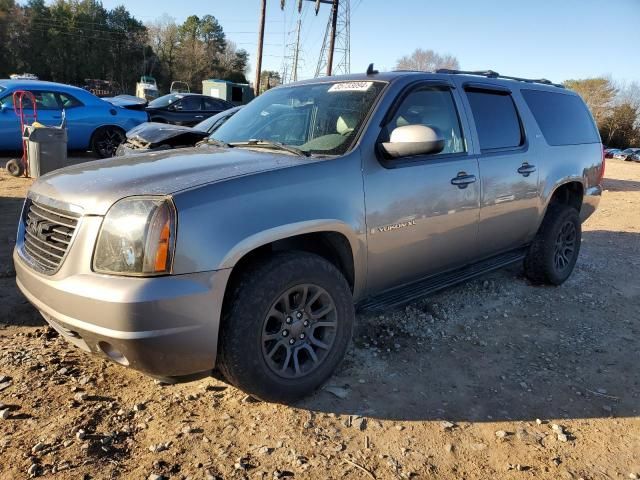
[{"x": 394, "y": 226}]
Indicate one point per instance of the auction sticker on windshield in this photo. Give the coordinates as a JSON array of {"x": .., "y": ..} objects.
[{"x": 351, "y": 87}]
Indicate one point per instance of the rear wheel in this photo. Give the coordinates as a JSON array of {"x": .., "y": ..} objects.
[
  {"x": 554, "y": 252},
  {"x": 15, "y": 167},
  {"x": 106, "y": 140},
  {"x": 287, "y": 328}
]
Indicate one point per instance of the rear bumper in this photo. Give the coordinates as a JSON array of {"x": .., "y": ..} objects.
[
  {"x": 590, "y": 202},
  {"x": 163, "y": 326}
]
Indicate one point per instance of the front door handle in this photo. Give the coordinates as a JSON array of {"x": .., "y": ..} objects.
[
  {"x": 199, "y": 116},
  {"x": 526, "y": 169},
  {"x": 463, "y": 180}
]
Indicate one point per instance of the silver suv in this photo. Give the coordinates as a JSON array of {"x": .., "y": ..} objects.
[{"x": 248, "y": 254}]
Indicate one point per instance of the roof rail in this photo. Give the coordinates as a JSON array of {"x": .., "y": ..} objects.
[{"x": 492, "y": 74}]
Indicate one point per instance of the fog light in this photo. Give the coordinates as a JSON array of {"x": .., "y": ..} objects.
[{"x": 113, "y": 353}]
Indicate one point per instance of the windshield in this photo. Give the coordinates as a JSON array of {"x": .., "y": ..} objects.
[
  {"x": 319, "y": 118},
  {"x": 165, "y": 100},
  {"x": 211, "y": 124}
]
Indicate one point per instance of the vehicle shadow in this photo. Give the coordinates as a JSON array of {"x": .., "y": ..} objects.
[
  {"x": 615, "y": 185},
  {"x": 14, "y": 308},
  {"x": 527, "y": 351}
]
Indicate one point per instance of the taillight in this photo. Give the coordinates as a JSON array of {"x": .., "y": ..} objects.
[{"x": 604, "y": 160}]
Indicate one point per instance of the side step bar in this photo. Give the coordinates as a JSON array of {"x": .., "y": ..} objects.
[{"x": 399, "y": 296}]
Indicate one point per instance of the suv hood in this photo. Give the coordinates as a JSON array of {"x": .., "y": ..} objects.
[{"x": 94, "y": 186}]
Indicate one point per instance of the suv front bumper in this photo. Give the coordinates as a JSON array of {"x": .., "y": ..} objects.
[{"x": 162, "y": 326}]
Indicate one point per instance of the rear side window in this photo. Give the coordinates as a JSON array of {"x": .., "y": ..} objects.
[
  {"x": 214, "y": 105},
  {"x": 189, "y": 103},
  {"x": 68, "y": 101},
  {"x": 563, "y": 119},
  {"x": 496, "y": 119}
]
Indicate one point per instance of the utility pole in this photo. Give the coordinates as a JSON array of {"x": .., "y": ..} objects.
[
  {"x": 295, "y": 55},
  {"x": 332, "y": 41},
  {"x": 335, "y": 53},
  {"x": 260, "y": 44}
]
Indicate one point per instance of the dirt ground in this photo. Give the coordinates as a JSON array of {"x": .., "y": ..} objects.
[{"x": 495, "y": 378}]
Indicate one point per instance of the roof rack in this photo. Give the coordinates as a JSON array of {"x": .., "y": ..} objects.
[{"x": 492, "y": 74}]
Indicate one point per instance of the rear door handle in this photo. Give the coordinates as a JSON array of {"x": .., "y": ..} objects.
[
  {"x": 526, "y": 169},
  {"x": 463, "y": 180},
  {"x": 199, "y": 116}
]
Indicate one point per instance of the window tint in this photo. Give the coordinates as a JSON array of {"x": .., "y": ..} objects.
[
  {"x": 496, "y": 119},
  {"x": 46, "y": 101},
  {"x": 434, "y": 107},
  {"x": 215, "y": 105},
  {"x": 7, "y": 101},
  {"x": 189, "y": 103},
  {"x": 67, "y": 101},
  {"x": 563, "y": 119}
]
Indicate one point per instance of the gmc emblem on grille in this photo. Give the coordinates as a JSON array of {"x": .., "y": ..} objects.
[
  {"x": 39, "y": 229},
  {"x": 32, "y": 226}
]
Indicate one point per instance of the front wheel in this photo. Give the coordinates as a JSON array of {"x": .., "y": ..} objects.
[
  {"x": 287, "y": 328},
  {"x": 554, "y": 251},
  {"x": 106, "y": 140}
]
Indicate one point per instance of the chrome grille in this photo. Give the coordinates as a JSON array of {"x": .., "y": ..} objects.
[{"x": 47, "y": 234}]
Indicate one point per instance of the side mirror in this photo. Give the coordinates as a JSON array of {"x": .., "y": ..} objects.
[
  {"x": 3, "y": 108},
  {"x": 410, "y": 140}
]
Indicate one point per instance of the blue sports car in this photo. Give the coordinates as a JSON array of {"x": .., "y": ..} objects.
[{"x": 92, "y": 123}]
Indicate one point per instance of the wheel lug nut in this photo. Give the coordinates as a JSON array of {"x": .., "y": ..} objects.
[
  {"x": 299, "y": 315},
  {"x": 306, "y": 323},
  {"x": 289, "y": 320},
  {"x": 292, "y": 341},
  {"x": 302, "y": 335},
  {"x": 285, "y": 333}
]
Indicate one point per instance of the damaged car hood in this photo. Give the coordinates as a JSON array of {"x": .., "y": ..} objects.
[
  {"x": 93, "y": 187},
  {"x": 154, "y": 132}
]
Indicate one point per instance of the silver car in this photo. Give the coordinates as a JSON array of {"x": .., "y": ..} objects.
[{"x": 249, "y": 254}]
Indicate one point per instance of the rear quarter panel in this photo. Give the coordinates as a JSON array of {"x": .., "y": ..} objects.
[
  {"x": 83, "y": 121},
  {"x": 558, "y": 165},
  {"x": 219, "y": 223}
]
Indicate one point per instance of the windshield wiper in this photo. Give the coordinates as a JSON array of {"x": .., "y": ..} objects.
[
  {"x": 217, "y": 143},
  {"x": 275, "y": 145}
]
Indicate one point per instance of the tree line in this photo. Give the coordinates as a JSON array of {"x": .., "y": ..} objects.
[
  {"x": 615, "y": 108},
  {"x": 69, "y": 41}
]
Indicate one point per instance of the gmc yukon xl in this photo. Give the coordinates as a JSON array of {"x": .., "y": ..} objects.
[{"x": 248, "y": 255}]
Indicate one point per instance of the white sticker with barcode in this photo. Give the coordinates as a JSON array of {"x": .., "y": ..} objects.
[{"x": 350, "y": 87}]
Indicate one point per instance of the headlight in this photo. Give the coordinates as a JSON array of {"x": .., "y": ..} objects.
[{"x": 137, "y": 237}]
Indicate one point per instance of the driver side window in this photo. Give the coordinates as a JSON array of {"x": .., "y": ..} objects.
[
  {"x": 188, "y": 104},
  {"x": 434, "y": 107}
]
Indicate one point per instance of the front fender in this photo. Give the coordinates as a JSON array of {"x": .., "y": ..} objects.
[
  {"x": 220, "y": 223},
  {"x": 282, "y": 232}
]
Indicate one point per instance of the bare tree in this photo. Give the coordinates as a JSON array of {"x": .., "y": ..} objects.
[
  {"x": 629, "y": 94},
  {"x": 165, "y": 41},
  {"x": 598, "y": 94},
  {"x": 427, "y": 61}
]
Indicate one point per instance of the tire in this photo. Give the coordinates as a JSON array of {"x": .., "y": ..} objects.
[
  {"x": 254, "y": 351},
  {"x": 15, "y": 167},
  {"x": 555, "y": 249},
  {"x": 106, "y": 140}
]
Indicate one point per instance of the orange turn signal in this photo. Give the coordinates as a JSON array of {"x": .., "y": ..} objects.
[{"x": 162, "y": 252}]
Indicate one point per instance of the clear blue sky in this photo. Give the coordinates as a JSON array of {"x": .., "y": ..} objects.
[{"x": 555, "y": 39}]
